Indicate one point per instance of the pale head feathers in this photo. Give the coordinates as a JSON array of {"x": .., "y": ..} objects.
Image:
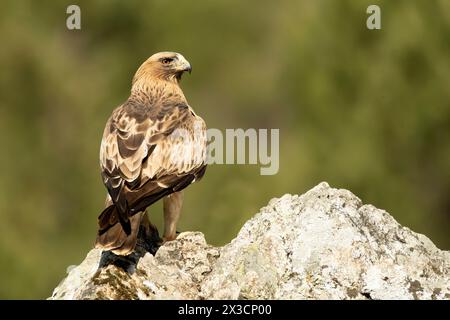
[{"x": 162, "y": 66}]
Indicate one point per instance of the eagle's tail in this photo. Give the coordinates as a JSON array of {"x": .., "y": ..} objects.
[
  {"x": 120, "y": 235},
  {"x": 119, "y": 222},
  {"x": 112, "y": 236}
]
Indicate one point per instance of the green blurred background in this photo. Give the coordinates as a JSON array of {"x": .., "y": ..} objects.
[{"x": 364, "y": 110}]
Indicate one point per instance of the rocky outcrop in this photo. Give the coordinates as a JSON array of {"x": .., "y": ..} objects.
[{"x": 324, "y": 244}]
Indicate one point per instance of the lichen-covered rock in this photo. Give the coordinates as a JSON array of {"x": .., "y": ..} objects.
[
  {"x": 175, "y": 272},
  {"x": 324, "y": 244}
]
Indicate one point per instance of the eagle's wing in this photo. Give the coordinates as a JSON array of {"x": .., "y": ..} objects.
[{"x": 146, "y": 154}]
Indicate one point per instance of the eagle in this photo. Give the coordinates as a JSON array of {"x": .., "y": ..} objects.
[{"x": 153, "y": 146}]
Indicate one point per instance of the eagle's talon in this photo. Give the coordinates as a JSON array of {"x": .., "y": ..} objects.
[{"x": 168, "y": 238}]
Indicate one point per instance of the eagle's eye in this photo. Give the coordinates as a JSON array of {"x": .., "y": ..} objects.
[{"x": 166, "y": 60}]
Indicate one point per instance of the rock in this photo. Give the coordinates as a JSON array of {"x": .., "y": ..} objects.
[
  {"x": 173, "y": 273},
  {"x": 324, "y": 244}
]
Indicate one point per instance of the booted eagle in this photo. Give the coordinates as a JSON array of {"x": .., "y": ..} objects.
[{"x": 153, "y": 146}]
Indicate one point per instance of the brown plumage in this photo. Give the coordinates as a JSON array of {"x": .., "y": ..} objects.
[{"x": 153, "y": 147}]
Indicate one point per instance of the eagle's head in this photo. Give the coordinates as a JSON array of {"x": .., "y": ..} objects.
[{"x": 166, "y": 65}]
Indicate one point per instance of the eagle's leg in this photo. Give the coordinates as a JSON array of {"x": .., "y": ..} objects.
[
  {"x": 172, "y": 209},
  {"x": 148, "y": 237}
]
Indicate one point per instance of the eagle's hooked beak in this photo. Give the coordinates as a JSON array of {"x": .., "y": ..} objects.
[
  {"x": 183, "y": 64},
  {"x": 187, "y": 67}
]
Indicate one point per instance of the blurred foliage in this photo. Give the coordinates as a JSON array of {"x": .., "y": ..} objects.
[{"x": 364, "y": 110}]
